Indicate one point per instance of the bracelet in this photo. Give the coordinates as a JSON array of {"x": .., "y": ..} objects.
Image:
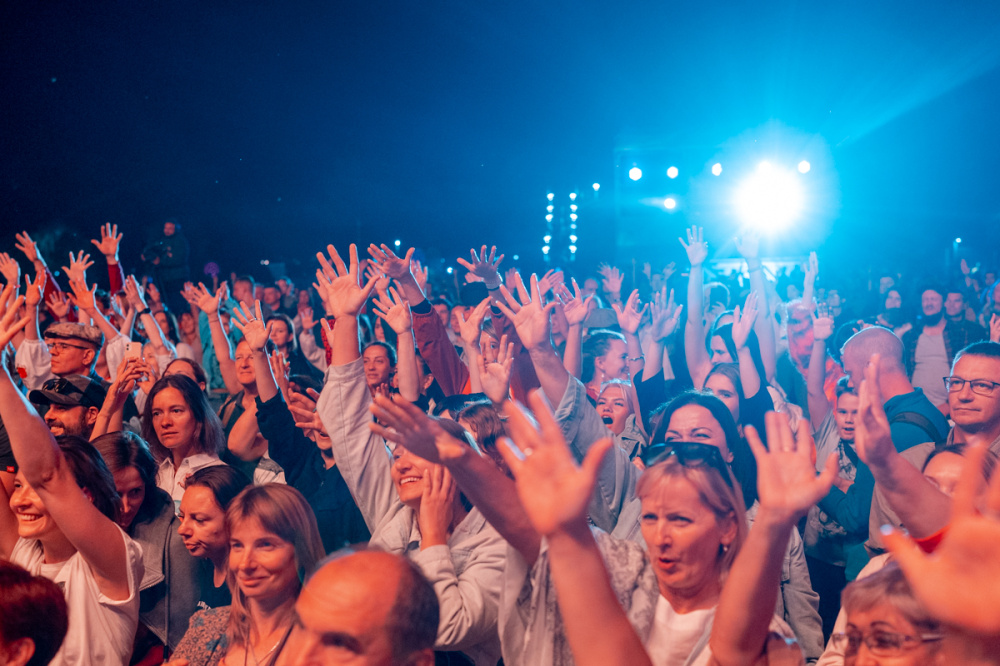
[
  {"x": 635, "y": 359},
  {"x": 139, "y": 313}
]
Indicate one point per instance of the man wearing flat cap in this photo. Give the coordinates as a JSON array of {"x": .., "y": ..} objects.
[{"x": 68, "y": 348}]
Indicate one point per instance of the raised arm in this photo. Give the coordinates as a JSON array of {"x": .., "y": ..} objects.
[
  {"x": 161, "y": 345},
  {"x": 85, "y": 301},
  {"x": 399, "y": 269},
  {"x": 743, "y": 322},
  {"x": 787, "y": 487},
  {"x": 110, "y": 417},
  {"x": 108, "y": 246},
  {"x": 819, "y": 404},
  {"x": 470, "y": 331},
  {"x": 46, "y": 470},
  {"x": 809, "y": 284},
  {"x": 665, "y": 317},
  {"x": 749, "y": 247},
  {"x": 921, "y": 507},
  {"x": 575, "y": 310},
  {"x": 209, "y": 304},
  {"x": 395, "y": 312},
  {"x": 698, "y": 362},
  {"x": 629, "y": 318}
]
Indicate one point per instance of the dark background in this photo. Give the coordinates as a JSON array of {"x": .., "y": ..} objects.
[{"x": 271, "y": 129}]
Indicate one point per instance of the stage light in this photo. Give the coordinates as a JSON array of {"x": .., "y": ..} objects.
[
  {"x": 597, "y": 186},
  {"x": 572, "y": 249},
  {"x": 672, "y": 172},
  {"x": 551, "y": 196},
  {"x": 516, "y": 257},
  {"x": 449, "y": 270},
  {"x": 770, "y": 199},
  {"x": 548, "y": 218},
  {"x": 958, "y": 240},
  {"x": 547, "y": 238},
  {"x": 573, "y": 207},
  {"x": 573, "y": 216},
  {"x": 804, "y": 167},
  {"x": 572, "y": 238},
  {"x": 717, "y": 169},
  {"x": 573, "y": 226},
  {"x": 550, "y": 208},
  {"x": 670, "y": 203},
  {"x": 396, "y": 243},
  {"x": 635, "y": 173},
  {"x": 572, "y": 196},
  {"x": 545, "y": 249}
]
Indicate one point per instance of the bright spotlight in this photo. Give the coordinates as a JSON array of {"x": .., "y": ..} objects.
[
  {"x": 597, "y": 186},
  {"x": 635, "y": 173},
  {"x": 545, "y": 249},
  {"x": 572, "y": 249},
  {"x": 547, "y": 238},
  {"x": 572, "y": 196},
  {"x": 551, "y": 196},
  {"x": 573, "y": 226},
  {"x": 572, "y": 238},
  {"x": 672, "y": 172},
  {"x": 550, "y": 208},
  {"x": 396, "y": 243},
  {"x": 804, "y": 167},
  {"x": 958, "y": 240},
  {"x": 770, "y": 198},
  {"x": 517, "y": 257},
  {"x": 449, "y": 270},
  {"x": 548, "y": 218},
  {"x": 670, "y": 203},
  {"x": 573, "y": 207},
  {"x": 717, "y": 169},
  {"x": 573, "y": 216}
]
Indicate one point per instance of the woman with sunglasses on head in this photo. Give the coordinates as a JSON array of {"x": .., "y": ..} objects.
[
  {"x": 273, "y": 546},
  {"x": 60, "y": 523}
]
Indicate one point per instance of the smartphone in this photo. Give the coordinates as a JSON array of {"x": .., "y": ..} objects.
[{"x": 133, "y": 350}]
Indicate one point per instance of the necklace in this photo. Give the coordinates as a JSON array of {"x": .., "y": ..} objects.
[{"x": 253, "y": 653}]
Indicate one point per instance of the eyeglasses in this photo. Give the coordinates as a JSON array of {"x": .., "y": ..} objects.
[
  {"x": 980, "y": 386},
  {"x": 62, "y": 386},
  {"x": 880, "y": 643},
  {"x": 62, "y": 346},
  {"x": 688, "y": 454}
]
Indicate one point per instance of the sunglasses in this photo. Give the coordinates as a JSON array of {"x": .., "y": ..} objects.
[{"x": 688, "y": 454}]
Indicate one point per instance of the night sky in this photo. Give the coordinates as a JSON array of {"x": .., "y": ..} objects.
[{"x": 271, "y": 129}]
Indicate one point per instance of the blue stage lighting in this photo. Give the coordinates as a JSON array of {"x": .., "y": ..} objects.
[
  {"x": 770, "y": 199},
  {"x": 635, "y": 173},
  {"x": 672, "y": 172}
]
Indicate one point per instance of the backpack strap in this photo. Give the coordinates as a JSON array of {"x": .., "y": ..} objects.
[{"x": 922, "y": 422}]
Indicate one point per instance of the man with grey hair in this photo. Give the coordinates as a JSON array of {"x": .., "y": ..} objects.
[
  {"x": 913, "y": 420},
  {"x": 371, "y": 608}
]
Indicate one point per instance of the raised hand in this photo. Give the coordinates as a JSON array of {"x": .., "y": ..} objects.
[
  {"x": 78, "y": 265},
  {"x": 743, "y": 320},
  {"x": 959, "y": 583},
  {"x": 206, "y": 301},
  {"x": 822, "y": 326},
  {"x": 108, "y": 245},
  {"x": 470, "y": 330},
  {"x": 251, "y": 324},
  {"x": 530, "y": 318},
  {"x": 787, "y": 484},
  {"x": 494, "y": 376},
  {"x": 995, "y": 328},
  {"x": 153, "y": 293},
  {"x": 28, "y": 247},
  {"x": 573, "y": 304},
  {"x": 483, "y": 266},
  {"x": 419, "y": 273},
  {"x": 407, "y": 425},
  {"x": 34, "y": 289},
  {"x": 344, "y": 295},
  {"x": 664, "y": 314},
  {"x": 696, "y": 247},
  {"x": 551, "y": 280},
  {"x": 812, "y": 268},
  {"x": 387, "y": 262},
  {"x": 395, "y": 311},
  {"x": 280, "y": 368},
  {"x": 647, "y": 270},
  {"x": 872, "y": 436},
  {"x": 437, "y": 506},
  {"x": 133, "y": 294},
  {"x": 611, "y": 279},
  {"x": 748, "y": 245},
  {"x": 630, "y": 316},
  {"x": 10, "y": 269},
  {"x": 382, "y": 282},
  {"x": 307, "y": 318},
  {"x": 10, "y": 325},
  {"x": 554, "y": 491},
  {"x": 59, "y": 305},
  {"x": 84, "y": 298},
  {"x": 669, "y": 270}
]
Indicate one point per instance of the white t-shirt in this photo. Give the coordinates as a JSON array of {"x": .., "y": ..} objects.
[
  {"x": 101, "y": 630},
  {"x": 675, "y": 636}
]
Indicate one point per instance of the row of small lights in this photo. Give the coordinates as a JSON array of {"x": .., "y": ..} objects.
[{"x": 573, "y": 217}]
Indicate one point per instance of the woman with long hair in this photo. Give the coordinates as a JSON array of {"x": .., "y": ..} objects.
[
  {"x": 274, "y": 546},
  {"x": 183, "y": 432}
]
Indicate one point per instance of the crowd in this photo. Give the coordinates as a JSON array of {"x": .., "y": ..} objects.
[{"x": 683, "y": 467}]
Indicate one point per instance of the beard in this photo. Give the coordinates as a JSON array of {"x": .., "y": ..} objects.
[{"x": 932, "y": 320}]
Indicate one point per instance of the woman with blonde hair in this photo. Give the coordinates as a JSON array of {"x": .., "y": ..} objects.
[{"x": 274, "y": 545}]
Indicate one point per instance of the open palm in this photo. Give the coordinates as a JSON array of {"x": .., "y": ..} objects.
[{"x": 343, "y": 293}]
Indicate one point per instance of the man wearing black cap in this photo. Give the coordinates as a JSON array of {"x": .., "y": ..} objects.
[{"x": 74, "y": 402}]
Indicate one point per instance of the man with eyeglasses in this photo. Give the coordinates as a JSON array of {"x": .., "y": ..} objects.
[
  {"x": 902, "y": 496},
  {"x": 66, "y": 349}
]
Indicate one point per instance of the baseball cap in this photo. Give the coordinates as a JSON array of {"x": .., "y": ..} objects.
[{"x": 71, "y": 391}]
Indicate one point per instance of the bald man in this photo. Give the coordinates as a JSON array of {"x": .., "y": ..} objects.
[
  {"x": 368, "y": 608},
  {"x": 913, "y": 420}
]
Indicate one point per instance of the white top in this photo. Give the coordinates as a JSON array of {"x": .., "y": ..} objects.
[
  {"x": 675, "y": 637},
  {"x": 101, "y": 630},
  {"x": 173, "y": 481}
]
